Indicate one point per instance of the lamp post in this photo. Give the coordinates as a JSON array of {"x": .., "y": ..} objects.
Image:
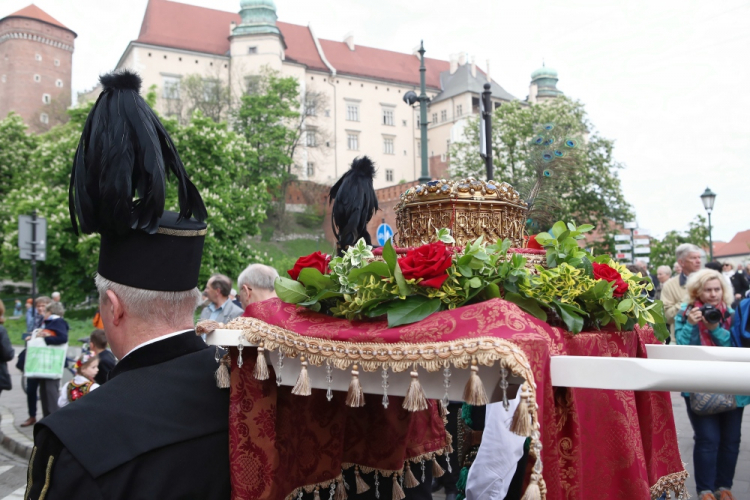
[
  {"x": 708, "y": 198},
  {"x": 411, "y": 98}
]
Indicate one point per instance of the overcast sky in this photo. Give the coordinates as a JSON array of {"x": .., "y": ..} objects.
[{"x": 666, "y": 80}]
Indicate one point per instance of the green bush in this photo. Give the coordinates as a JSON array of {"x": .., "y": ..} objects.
[{"x": 309, "y": 219}]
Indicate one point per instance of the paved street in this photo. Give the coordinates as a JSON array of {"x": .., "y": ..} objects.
[{"x": 13, "y": 468}]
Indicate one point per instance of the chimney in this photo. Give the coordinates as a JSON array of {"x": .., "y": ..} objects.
[
  {"x": 349, "y": 40},
  {"x": 461, "y": 58},
  {"x": 454, "y": 63},
  {"x": 232, "y": 25},
  {"x": 473, "y": 67},
  {"x": 415, "y": 51}
]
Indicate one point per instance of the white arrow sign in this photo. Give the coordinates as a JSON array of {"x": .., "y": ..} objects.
[
  {"x": 622, "y": 237},
  {"x": 642, "y": 250},
  {"x": 620, "y": 248}
]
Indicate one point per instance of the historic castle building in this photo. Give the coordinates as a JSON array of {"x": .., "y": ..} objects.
[{"x": 36, "y": 59}]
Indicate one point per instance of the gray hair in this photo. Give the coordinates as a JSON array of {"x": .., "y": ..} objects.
[
  {"x": 683, "y": 250},
  {"x": 55, "y": 308},
  {"x": 222, "y": 283},
  {"x": 169, "y": 308},
  {"x": 258, "y": 276},
  {"x": 666, "y": 269}
]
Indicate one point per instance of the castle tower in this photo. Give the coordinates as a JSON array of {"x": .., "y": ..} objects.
[
  {"x": 543, "y": 85},
  {"x": 36, "y": 60}
]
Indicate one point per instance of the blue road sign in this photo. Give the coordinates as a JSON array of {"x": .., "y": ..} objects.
[{"x": 384, "y": 234}]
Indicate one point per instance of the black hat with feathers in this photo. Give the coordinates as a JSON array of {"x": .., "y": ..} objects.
[
  {"x": 118, "y": 189},
  {"x": 354, "y": 204}
]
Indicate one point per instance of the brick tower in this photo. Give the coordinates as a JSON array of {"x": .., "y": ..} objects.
[{"x": 36, "y": 59}]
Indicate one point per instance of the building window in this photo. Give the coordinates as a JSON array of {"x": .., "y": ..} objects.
[
  {"x": 171, "y": 88},
  {"x": 252, "y": 50},
  {"x": 443, "y": 115},
  {"x": 3, "y": 78},
  {"x": 310, "y": 169},
  {"x": 310, "y": 107},
  {"x": 388, "y": 145},
  {"x": 46, "y": 99},
  {"x": 352, "y": 112},
  {"x": 252, "y": 84},
  {"x": 387, "y": 116},
  {"x": 459, "y": 110},
  {"x": 38, "y": 57},
  {"x": 434, "y": 118},
  {"x": 352, "y": 142},
  {"x": 58, "y": 83},
  {"x": 44, "y": 118},
  {"x": 37, "y": 78},
  {"x": 389, "y": 174},
  {"x": 57, "y": 62},
  {"x": 310, "y": 139}
]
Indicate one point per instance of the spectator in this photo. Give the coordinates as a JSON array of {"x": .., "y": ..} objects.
[
  {"x": 18, "y": 310},
  {"x": 663, "y": 273},
  {"x": 87, "y": 367},
  {"x": 6, "y": 353},
  {"x": 643, "y": 269},
  {"x": 256, "y": 284},
  {"x": 714, "y": 265},
  {"x": 54, "y": 332},
  {"x": 29, "y": 315},
  {"x": 107, "y": 360},
  {"x": 56, "y": 296},
  {"x": 32, "y": 384},
  {"x": 234, "y": 299},
  {"x": 220, "y": 309},
  {"x": 677, "y": 268},
  {"x": 739, "y": 282},
  {"x": 717, "y": 437},
  {"x": 673, "y": 291}
]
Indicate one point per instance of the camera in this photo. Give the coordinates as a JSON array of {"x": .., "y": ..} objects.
[{"x": 710, "y": 313}]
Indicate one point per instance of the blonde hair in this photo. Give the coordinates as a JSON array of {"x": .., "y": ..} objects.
[{"x": 698, "y": 280}]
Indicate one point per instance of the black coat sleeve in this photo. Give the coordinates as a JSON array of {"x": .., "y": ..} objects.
[
  {"x": 55, "y": 474},
  {"x": 6, "y": 349}
]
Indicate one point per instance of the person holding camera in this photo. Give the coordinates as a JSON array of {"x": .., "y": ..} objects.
[{"x": 706, "y": 320}]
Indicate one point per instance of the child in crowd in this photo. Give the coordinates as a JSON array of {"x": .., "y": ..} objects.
[{"x": 87, "y": 366}]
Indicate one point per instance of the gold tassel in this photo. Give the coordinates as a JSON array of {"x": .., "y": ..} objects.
[
  {"x": 521, "y": 423},
  {"x": 302, "y": 387},
  {"x": 415, "y": 399},
  {"x": 410, "y": 481},
  {"x": 355, "y": 398},
  {"x": 316, "y": 495},
  {"x": 222, "y": 373},
  {"x": 474, "y": 393},
  {"x": 207, "y": 326},
  {"x": 362, "y": 486},
  {"x": 437, "y": 471},
  {"x": 340, "y": 491},
  {"x": 261, "y": 366},
  {"x": 532, "y": 490},
  {"x": 398, "y": 493}
]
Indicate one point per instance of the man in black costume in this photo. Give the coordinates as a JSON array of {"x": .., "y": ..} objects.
[{"x": 159, "y": 427}]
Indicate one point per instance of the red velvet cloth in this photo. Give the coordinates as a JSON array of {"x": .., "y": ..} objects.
[{"x": 596, "y": 443}]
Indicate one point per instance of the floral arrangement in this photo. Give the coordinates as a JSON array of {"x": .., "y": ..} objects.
[{"x": 576, "y": 290}]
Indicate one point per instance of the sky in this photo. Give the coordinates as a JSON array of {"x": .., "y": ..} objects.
[{"x": 665, "y": 80}]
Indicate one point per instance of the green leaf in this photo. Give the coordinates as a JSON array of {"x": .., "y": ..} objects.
[
  {"x": 389, "y": 256},
  {"x": 570, "y": 315},
  {"x": 625, "y": 305},
  {"x": 558, "y": 228},
  {"x": 290, "y": 291},
  {"x": 585, "y": 228},
  {"x": 587, "y": 267},
  {"x": 322, "y": 295},
  {"x": 661, "y": 331},
  {"x": 544, "y": 238},
  {"x": 311, "y": 277},
  {"x": 492, "y": 291},
  {"x": 444, "y": 235},
  {"x": 465, "y": 271},
  {"x": 403, "y": 288},
  {"x": 475, "y": 282},
  {"x": 411, "y": 310},
  {"x": 529, "y": 305},
  {"x": 376, "y": 267}
]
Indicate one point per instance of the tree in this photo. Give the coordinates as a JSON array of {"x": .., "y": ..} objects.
[
  {"x": 589, "y": 192},
  {"x": 209, "y": 95},
  {"x": 16, "y": 146},
  {"x": 663, "y": 251}
]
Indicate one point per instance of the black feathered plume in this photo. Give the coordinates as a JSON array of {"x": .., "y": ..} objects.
[
  {"x": 125, "y": 153},
  {"x": 354, "y": 204}
]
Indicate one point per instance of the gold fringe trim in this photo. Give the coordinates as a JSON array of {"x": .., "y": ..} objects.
[
  {"x": 47, "y": 478},
  {"x": 674, "y": 482},
  {"x": 208, "y": 326},
  {"x": 29, "y": 477}
]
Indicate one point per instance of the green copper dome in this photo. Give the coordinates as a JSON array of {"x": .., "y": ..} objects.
[
  {"x": 258, "y": 17},
  {"x": 546, "y": 82},
  {"x": 544, "y": 72}
]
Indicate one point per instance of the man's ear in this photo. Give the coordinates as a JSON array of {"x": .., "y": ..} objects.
[{"x": 116, "y": 308}]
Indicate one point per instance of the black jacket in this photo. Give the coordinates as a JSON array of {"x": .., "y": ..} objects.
[
  {"x": 107, "y": 363},
  {"x": 157, "y": 429},
  {"x": 6, "y": 354}
]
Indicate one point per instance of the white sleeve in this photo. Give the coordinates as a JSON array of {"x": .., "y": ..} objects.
[
  {"x": 63, "y": 399},
  {"x": 492, "y": 471}
]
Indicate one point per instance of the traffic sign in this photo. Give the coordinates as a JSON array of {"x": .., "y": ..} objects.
[
  {"x": 645, "y": 259},
  {"x": 642, "y": 232},
  {"x": 25, "y": 236},
  {"x": 620, "y": 248},
  {"x": 622, "y": 237},
  {"x": 384, "y": 233},
  {"x": 642, "y": 241},
  {"x": 624, "y": 256},
  {"x": 642, "y": 250},
  {"x": 630, "y": 225}
]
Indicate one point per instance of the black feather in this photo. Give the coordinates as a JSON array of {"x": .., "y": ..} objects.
[
  {"x": 119, "y": 173},
  {"x": 354, "y": 203}
]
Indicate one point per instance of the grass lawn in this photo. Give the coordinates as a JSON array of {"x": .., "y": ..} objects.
[{"x": 78, "y": 328}]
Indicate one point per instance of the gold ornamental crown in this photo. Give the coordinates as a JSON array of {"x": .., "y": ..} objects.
[{"x": 470, "y": 208}]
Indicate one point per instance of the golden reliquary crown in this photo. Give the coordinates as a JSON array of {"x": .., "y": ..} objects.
[{"x": 470, "y": 208}]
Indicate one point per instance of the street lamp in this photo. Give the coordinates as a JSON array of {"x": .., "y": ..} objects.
[
  {"x": 411, "y": 98},
  {"x": 708, "y": 198}
]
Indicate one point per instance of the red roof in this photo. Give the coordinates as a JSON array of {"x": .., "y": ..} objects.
[
  {"x": 34, "y": 12},
  {"x": 739, "y": 245},
  {"x": 181, "y": 26}
]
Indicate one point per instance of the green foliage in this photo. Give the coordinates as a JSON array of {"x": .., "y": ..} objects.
[
  {"x": 209, "y": 95},
  {"x": 663, "y": 251},
  {"x": 309, "y": 218},
  {"x": 14, "y": 160},
  {"x": 589, "y": 190}
]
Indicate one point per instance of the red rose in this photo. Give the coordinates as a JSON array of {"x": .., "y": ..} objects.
[
  {"x": 316, "y": 260},
  {"x": 607, "y": 273},
  {"x": 532, "y": 243},
  {"x": 428, "y": 262}
]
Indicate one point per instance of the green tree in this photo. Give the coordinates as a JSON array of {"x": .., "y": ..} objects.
[
  {"x": 663, "y": 251},
  {"x": 207, "y": 94},
  {"x": 590, "y": 192},
  {"x": 16, "y": 146}
]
